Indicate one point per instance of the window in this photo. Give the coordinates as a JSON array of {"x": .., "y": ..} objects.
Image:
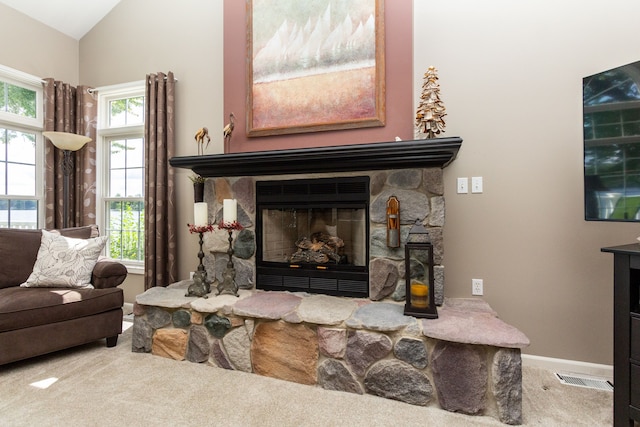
[
  {"x": 21, "y": 158},
  {"x": 121, "y": 131}
]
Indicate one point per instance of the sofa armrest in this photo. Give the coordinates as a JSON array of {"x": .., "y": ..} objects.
[{"x": 108, "y": 273}]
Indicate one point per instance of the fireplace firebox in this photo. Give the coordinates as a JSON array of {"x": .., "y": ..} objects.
[{"x": 312, "y": 235}]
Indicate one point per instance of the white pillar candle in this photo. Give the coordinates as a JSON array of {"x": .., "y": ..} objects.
[
  {"x": 200, "y": 214},
  {"x": 230, "y": 211}
]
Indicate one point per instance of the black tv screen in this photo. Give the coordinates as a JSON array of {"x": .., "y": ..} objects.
[{"x": 611, "y": 109}]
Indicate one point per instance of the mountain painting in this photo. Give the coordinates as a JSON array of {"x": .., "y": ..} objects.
[{"x": 315, "y": 65}]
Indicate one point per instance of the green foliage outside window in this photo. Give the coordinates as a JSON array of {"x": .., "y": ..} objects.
[
  {"x": 17, "y": 100},
  {"x": 126, "y": 230},
  {"x": 125, "y": 180},
  {"x": 17, "y": 158},
  {"x": 126, "y": 111}
]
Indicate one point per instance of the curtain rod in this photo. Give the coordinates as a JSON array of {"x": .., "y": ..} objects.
[
  {"x": 19, "y": 75},
  {"x": 30, "y": 79},
  {"x": 121, "y": 86}
]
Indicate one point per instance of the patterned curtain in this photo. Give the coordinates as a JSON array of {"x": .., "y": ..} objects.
[
  {"x": 74, "y": 110},
  {"x": 160, "y": 250}
]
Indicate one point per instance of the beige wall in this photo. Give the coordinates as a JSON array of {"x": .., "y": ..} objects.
[
  {"x": 510, "y": 75},
  {"x": 139, "y": 37},
  {"x": 32, "y": 47},
  {"x": 511, "y": 78}
]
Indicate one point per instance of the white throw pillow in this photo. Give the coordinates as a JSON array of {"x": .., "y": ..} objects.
[{"x": 65, "y": 262}]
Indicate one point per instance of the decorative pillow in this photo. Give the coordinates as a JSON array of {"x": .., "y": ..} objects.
[{"x": 65, "y": 261}]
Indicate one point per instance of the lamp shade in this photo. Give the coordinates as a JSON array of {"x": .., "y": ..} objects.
[{"x": 67, "y": 141}]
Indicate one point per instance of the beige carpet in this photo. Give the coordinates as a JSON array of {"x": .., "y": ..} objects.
[{"x": 98, "y": 386}]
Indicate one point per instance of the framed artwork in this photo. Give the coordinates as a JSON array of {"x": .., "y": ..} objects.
[{"x": 314, "y": 65}]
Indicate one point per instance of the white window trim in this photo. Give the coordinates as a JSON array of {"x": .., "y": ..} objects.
[
  {"x": 30, "y": 125},
  {"x": 110, "y": 93},
  {"x": 39, "y": 172},
  {"x": 27, "y": 81},
  {"x": 104, "y": 134}
]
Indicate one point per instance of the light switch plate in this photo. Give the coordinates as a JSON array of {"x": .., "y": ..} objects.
[
  {"x": 476, "y": 184},
  {"x": 463, "y": 185}
]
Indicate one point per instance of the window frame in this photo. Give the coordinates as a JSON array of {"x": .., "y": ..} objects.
[
  {"x": 32, "y": 125},
  {"x": 106, "y": 134}
]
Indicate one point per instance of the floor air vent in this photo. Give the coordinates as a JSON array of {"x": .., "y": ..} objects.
[{"x": 576, "y": 380}]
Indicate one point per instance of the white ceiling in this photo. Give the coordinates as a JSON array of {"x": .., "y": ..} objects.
[{"x": 72, "y": 17}]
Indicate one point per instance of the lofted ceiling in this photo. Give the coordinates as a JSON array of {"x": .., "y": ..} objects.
[{"x": 72, "y": 17}]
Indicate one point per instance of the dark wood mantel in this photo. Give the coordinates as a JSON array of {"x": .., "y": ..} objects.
[{"x": 438, "y": 152}]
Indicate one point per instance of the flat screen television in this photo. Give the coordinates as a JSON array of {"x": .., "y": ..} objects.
[{"x": 611, "y": 110}]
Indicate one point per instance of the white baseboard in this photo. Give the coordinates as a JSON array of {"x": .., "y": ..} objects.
[{"x": 569, "y": 366}]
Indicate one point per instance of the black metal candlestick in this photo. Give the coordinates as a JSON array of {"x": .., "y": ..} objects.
[
  {"x": 230, "y": 250},
  {"x": 201, "y": 268},
  {"x": 228, "y": 286},
  {"x": 201, "y": 285}
]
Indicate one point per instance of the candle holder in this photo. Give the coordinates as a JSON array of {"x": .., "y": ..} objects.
[
  {"x": 228, "y": 286},
  {"x": 393, "y": 222},
  {"x": 418, "y": 261},
  {"x": 201, "y": 285}
]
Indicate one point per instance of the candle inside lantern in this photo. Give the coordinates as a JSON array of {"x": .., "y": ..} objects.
[
  {"x": 419, "y": 294},
  {"x": 200, "y": 214},
  {"x": 230, "y": 211}
]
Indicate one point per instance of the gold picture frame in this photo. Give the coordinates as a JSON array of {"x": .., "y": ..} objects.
[{"x": 314, "y": 68}]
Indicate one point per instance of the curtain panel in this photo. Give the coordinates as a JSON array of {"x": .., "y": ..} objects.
[
  {"x": 74, "y": 110},
  {"x": 159, "y": 196}
]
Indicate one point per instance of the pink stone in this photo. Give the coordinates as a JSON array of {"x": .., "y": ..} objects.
[
  {"x": 332, "y": 342},
  {"x": 469, "y": 304},
  {"x": 472, "y": 323},
  {"x": 219, "y": 356},
  {"x": 138, "y": 310},
  {"x": 267, "y": 305},
  {"x": 460, "y": 377}
]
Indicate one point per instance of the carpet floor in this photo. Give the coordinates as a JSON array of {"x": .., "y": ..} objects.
[{"x": 92, "y": 385}]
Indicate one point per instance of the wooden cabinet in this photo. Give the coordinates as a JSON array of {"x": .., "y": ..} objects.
[{"x": 626, "y": 335}]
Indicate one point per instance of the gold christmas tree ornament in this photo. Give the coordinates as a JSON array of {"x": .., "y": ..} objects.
[{"x": 431, "y": 110}]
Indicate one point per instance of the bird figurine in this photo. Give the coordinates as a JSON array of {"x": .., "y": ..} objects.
[
  {"x": 200, "y": 136},
  {"x": 227, "y": 131}
]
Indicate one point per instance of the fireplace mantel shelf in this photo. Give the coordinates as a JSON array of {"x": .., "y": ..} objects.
[{"x": 438, "y": 152}]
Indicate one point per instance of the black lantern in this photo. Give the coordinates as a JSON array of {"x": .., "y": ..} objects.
[{"x": 418, "y": 260}]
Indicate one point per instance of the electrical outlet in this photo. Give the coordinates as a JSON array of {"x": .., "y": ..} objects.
[
  {"x": 463, "y": 185},
  {"x": 476, "y": 287}
]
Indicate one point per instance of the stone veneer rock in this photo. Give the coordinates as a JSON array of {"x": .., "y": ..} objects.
[
  {"x": 352, "y": 345},
  {"x": 420, "y": 192}
]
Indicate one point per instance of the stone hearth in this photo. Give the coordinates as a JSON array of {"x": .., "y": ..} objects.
[{"x": 465, "y": 361}]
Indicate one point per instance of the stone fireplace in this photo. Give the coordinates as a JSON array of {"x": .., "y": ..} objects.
[
  {"x": 409, "y": 170},
  {"x": 467, "y": 360}
]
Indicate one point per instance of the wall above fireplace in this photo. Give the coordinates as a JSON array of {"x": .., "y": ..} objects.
[{"x": 437, "y": 152}]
